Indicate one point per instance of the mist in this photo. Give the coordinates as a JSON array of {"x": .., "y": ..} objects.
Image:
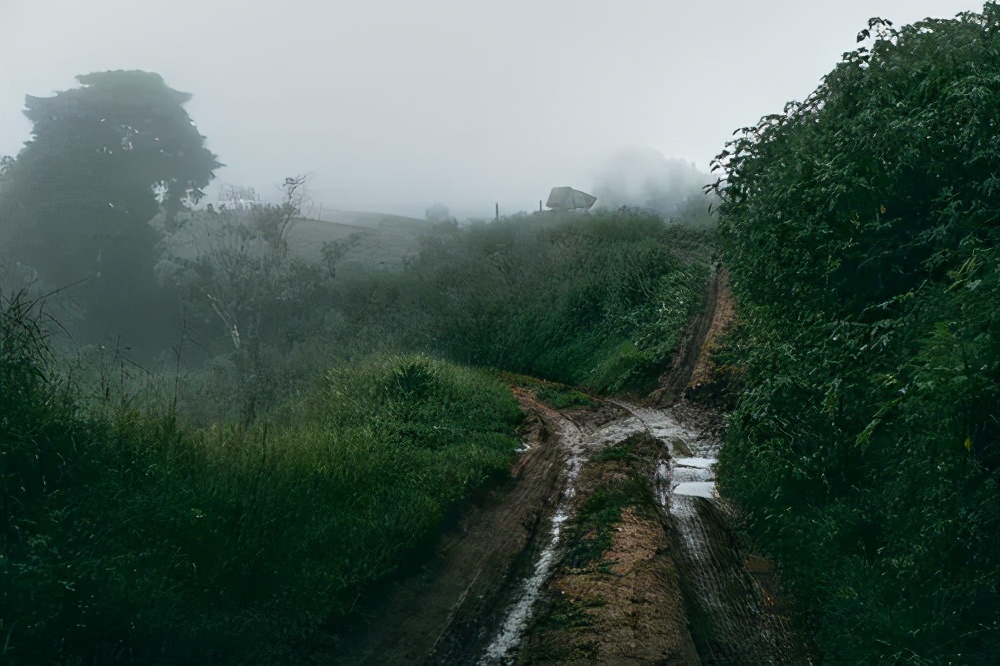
[
  {"x": 393, "y": 107},
  {"x": 289, "y": 343},
  {"x": 645, "y": 178}
]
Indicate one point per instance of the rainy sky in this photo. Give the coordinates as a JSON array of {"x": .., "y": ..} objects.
[{"x": 394, "y": 106}]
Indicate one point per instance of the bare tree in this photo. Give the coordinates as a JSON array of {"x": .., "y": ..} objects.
[
  {"x": 243, "y": 275},
  {"x": 242, "y": 268}
]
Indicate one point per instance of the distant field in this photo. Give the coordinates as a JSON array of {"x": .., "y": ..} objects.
[{"x": 377, "y": 240}]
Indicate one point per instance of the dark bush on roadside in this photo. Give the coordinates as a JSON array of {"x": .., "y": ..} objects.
[
  {"x": 596, "y": 300},
  {"x": 861, "y": 228}
]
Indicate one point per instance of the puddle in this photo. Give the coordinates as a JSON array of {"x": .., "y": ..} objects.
[
  {"x": 516, "y": 620},
  {"x": 728, "y": 610},
  {"x": 700, "y": 463},
  {"x": 704, "y": 489},
  {"x": 501, "y": 649}
]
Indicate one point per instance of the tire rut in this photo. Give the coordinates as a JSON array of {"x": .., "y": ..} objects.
[
  {"x": 730, "y": 593},
  {"x": 448, "y": 612}
]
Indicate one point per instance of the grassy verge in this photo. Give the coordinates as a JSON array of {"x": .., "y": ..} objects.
[
  {"x": 128, "y": 539},
  {"x": 622, "y": 481},
  {"x": 553, "y": 394}
]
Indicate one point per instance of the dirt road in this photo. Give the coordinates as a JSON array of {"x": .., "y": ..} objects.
[{"x": 609, "y": 544}]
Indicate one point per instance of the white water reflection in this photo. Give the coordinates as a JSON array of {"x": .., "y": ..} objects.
[
  {"x": 704, "y": 489},
  {"x": 516, "y": 621},
  {"x": 517, "y": 618},
  {"x": 700, "y": 463}
]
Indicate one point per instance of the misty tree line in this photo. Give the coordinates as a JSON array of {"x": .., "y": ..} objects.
[
  {"x": 91, "y": 211},
  {"x": 286, "y": 457},
  {"x": 75, "y": 204}
]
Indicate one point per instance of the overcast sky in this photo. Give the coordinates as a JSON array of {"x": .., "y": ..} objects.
[{"x": 393, "y": 106}]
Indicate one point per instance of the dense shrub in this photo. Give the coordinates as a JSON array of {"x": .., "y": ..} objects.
[
  {"x": 595, "y": 300},
  {"x": 861, "y": 228}
]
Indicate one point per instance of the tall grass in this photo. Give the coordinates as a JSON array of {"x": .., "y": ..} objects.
[{"x": 129, "y": 539}]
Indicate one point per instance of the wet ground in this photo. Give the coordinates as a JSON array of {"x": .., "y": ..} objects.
[
  {"x": 677, "y": 584},
  {"x": 730, "y": 593},
  {"x": 475, "y": 601}
]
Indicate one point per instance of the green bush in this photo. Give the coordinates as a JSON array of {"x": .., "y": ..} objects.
[
  {"x": 861, "y": 228},
  {"x": 595, "y": 300}
]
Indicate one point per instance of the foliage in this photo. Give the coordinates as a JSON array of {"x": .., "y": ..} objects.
[
  {"x": 76, "y": 202},
  {"x": 439, "y": 213},
  {"x": 861, "y": 228},
  {"x": 595, "y": 300},
  {"x": 128, "y": 539},
  {"x": 235, "y": 271},
  {"x": 553, "y": 394},
  {"x": 622, "y": 482}
]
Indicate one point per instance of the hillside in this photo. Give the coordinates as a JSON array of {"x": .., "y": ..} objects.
[{"x": 372, "y": 240}]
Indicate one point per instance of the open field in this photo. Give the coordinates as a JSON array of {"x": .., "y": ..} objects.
[{"x": 374, "y": 240}]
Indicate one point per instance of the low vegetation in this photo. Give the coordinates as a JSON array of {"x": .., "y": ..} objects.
[
  {"x": 861, "y": 231},
  {"x": 129, "y": 538},
  {"x": 600, "y": 587},
  {"x": 553, "y": 394},
  {"x": 624, "y": 483},
  {"x": 238, "y": 510}
]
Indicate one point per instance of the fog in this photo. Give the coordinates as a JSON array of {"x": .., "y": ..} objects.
[
  {"x": 643, "y": 177},
  {"x": 393, "y": 107}
]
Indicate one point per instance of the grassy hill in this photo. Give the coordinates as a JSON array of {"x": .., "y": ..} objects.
[{"x": 375, "y": 240}]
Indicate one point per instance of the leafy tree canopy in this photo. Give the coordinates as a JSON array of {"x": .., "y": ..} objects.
[
  {"x": 875, "y": 181},
  {"x": 129, "y": 127},
  {"x": 76, "y": 202},
  {"x": 862, "y": 231}
]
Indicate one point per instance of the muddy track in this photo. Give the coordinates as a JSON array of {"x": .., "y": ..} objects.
[
  {"x": 448, "y": 612},
  {"x": 692, "y": 347},
  {"x": 675, "y": 586},
  {"x": 730, "y": 593}
]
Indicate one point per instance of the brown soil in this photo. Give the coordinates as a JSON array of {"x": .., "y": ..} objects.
[
  {"x": 721, "y": 319},
  {"x": 639, "y": 602},
  {"x": 689, "y": 348},
  {"x": 627, "y": 608}
]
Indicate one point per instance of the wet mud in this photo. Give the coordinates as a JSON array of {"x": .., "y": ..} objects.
[{"x": 730, "y": 593}]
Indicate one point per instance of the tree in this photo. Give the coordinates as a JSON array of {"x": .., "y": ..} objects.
[
  {"x": 243, "y": 277},
  {"x": 6, "y": 162},
  {"x": 439, "y": 213},
  {"x": 77, "y": 201}
]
